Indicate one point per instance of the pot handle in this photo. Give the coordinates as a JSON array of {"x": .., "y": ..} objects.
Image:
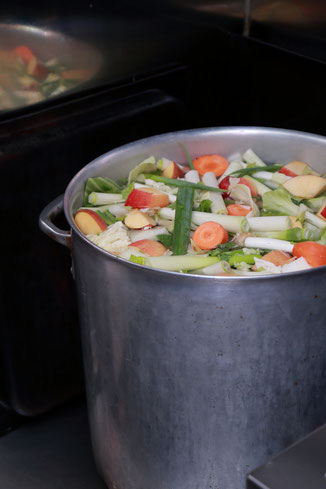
[{"x": 46, "y": 222}]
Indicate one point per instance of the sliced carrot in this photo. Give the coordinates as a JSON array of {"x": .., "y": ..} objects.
[
  {"x": 314, "y": 253},
  {"x": 238, "y": 209},
  {"x": 279, "y": 258},
  {"x": 214, "y": 163},
  {"x": 209, "y": 235},
  {"x": 24, "y": 52}
]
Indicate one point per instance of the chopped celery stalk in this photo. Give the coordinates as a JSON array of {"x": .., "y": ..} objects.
[
  {"x": 127, "y": 190},
  {"x": 269, "y": 244},
  {"x": 192, "y": 176},
  {"x": 315, "y": 220},
  {"x": 322, "y": 238},
  {"x": 232, "y": 224},
  {"x": 261, "y": 188},
  {"x": 269, "y": 223},
  {"x": 191, "y": 165},
  {"x": 250, "y": 259},
  {"x": 209, "y": 179},
  {"x": 145, "y": 166},
  {"x": 181, "y": 262},
  {"x": 152, "y": 233},
  {"x": 182, "y": 183},
  {"x": 316, "y": 203},
  {"x": 293, "y": 234},
  {"x": 99, "y": 184},
  {"x": 181, "y": 233},
  {"x": 101, "y": 198},
  {"x": 219, "y": 268},
  {"x": 251, "y": 158},
  {"x": 217, "y": 203},
  {"x": 280, "y": 201},
  {"x": 279, "y": 178},
  {"x": 107, "y": 217}
]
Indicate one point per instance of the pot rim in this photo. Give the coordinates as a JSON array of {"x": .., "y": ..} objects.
[{"x": 185, "y": 135}]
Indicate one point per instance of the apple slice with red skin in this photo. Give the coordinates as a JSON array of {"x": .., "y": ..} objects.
[
  {"x": 136, "y": 219},
  {"x": 89, "y": 222},
  {"x": 150, "y": 247},
  {"x": 225, "y": 184},
  {"x": 295, "y": 168},
  {"x": 172, "y": 171},
  {"x": 147, "y": 198},
  {"x": 322, "y": 212}
]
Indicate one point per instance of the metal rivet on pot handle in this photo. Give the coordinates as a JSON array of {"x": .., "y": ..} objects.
[{"x": 46, "y": 222}]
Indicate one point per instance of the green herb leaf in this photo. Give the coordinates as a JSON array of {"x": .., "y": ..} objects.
[
  {"x": 107, "y": 217},
  {"x": 166, "y": 239},
  {"x": 127, "y": 190},
  {"x": 187, "y": 155},
  {"x": 205, "y": 205}
]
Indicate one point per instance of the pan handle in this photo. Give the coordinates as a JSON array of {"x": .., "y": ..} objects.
[{"x": 46, "y": 222}]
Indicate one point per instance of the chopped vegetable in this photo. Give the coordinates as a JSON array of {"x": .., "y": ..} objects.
[
  {"x": 216, "y": 164},
  {"x": 181, "y": 233},
  {"x": 209, "y": 235},
  {"x": 184, "y": 224}
]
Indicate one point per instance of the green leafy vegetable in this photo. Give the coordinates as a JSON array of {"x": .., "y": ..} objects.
[
  {"x": 145, "y": 166},
  {"x": 166, "y": 240},
  {"x": 279, "y": 201},
  {"x": 107, "y": 217},
  {"x": 205, "y": 205},
  {"x": 99, "y": 184},
  {"x": 127, "y": 190}
]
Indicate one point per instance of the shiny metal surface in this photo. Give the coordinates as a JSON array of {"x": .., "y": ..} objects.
[
  {"x": 48, "y": 44},
  {"x": 194, "y": 381},
  {"x": 47, "y": 225}
]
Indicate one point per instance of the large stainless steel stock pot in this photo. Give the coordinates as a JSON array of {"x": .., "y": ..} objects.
[{"x": 193, "y": 381}]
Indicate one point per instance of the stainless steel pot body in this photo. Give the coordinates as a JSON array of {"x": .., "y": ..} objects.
[{"x": 194, "y": 381}]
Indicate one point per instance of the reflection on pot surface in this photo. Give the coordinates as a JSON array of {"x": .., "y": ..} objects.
[{"x": 36, "y": 65}]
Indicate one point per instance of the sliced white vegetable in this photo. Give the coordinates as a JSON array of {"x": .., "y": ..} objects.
[
  {"x": 233, "y": 166},
  {"x": 163, "y": 163},
  {"x": 216, "y": 269},
  {"x": 118, "y": 210},
  {"x": 269, "y": 223},
  {"x": 261, "y": 188},
  {"x": 209, "y": 179},
  {"x": 192, "y": 176},
  {"x": 235, "y": 157},
  {"x": 315, "y": 220},
  {"x": 269, "y": 244},
  {"x": 151, "y": 233},
  {"x": 233, "y": 224},
  {"x": 218, "y": 204},
  {"x": 264, "y": 175},
  {"x": 267, "y": 265},
  {"x": 296, "y": 265},
  {"x": 251, "y": 158},
  {"x": 101, "y": 198}
]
